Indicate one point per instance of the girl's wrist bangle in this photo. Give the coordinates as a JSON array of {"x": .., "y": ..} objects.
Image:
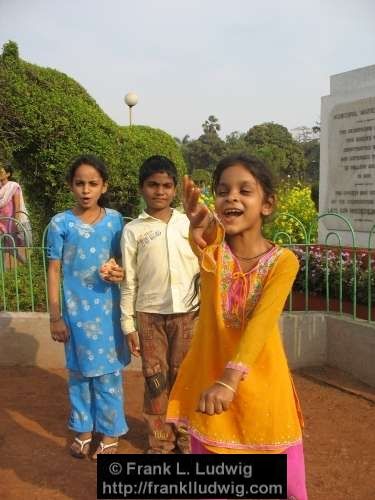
[
  {"x": 54, "y": 320},
  {"x": 220, "y": 382}
]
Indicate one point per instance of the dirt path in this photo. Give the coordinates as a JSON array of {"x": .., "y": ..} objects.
[{"x": 35, "y": 463}]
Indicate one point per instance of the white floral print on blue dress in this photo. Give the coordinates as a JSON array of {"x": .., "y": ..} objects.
[{"x": 91, "y": 307}]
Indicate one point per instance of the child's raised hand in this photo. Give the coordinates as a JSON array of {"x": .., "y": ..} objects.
[
  {"x": 198, "y": 214},
  {"x": 112, "y": 272}
]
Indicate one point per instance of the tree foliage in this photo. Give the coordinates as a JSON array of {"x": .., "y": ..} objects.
[
  {"x": 275, "y": 145},
  {"x": 47, "y": 118},
  {"x": 310, "y": 144},
  {"x": 204, "y": 152},
  {"x": 269, "y": 141},
  {"x": 211, "y": 125},
  {"x": 202, "y": 178}
]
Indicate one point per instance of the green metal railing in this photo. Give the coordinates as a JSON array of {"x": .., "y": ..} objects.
[
  {"x": 331, "y": 271},
  {"x": 332, "y": 250}
]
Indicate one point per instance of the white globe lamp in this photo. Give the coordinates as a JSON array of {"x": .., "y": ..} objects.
[{"x": 131, "y": 99}]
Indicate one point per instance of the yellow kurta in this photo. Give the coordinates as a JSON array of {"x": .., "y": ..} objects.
[{"x": 264, "y": 416}]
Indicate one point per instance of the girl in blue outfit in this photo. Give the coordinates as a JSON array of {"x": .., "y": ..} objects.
[{"x": 83, "y": 243}]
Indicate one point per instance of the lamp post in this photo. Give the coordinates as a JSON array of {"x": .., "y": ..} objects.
[{"x": 131, "y": 100}]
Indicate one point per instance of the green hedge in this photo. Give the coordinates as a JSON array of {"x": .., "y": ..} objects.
[
  {"x": 47, "y": 118},
  {"x": 139, "y": 142}
]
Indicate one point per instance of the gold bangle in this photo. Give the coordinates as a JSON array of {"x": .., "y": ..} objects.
[{"x": 220, "y": 382}]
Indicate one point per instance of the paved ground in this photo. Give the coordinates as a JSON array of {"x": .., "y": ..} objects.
[{"x": 35, "y": 463}]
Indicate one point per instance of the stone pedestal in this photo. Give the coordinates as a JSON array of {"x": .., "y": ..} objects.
[{"x": 347, "y": 158}]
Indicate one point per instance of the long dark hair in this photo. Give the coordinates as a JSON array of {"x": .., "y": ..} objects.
[
  {"x": 94, "y": 162},
  {"x": 259, "y": 170}
]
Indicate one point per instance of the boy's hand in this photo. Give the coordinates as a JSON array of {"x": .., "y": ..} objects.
[
  {"x": 133, "y": 343},
  {"x": 199, "y": 215},
  {"x": 59, "y": 331},
  {"x": 112, "y": 272}
]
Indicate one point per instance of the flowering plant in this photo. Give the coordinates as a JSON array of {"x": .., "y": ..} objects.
[
  {"x": 301, "y": 212},
  {"x": 334, "y": 265}
]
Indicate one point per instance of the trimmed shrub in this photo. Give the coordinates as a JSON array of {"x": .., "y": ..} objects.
[
  {"x": 138, "y": 143},
  {"x": 47, "y": 118}
]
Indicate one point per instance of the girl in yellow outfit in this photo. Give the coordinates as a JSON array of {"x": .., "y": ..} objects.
[{"x": 234, "y": 389}]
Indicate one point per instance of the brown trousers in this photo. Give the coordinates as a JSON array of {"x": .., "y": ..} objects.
[{"x": 164, "y": 341}]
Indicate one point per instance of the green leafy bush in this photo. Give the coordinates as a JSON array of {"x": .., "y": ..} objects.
[
  {"x": 139, "y": 142},
  {"x": 338, "y": 266},
  {"x": 47, "y": 118},
  {"x": 297, "y": 201}
]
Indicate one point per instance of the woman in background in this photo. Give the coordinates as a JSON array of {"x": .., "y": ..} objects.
[{"x": 12, "y": 206}]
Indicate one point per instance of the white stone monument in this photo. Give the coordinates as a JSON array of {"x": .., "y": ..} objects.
[{"x": 347, "y": 157}]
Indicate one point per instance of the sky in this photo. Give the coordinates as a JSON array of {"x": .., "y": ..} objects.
[{"x": 245, "y": 61}]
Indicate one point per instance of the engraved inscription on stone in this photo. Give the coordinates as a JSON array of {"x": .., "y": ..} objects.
[{"x": 351, "y": 172}]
